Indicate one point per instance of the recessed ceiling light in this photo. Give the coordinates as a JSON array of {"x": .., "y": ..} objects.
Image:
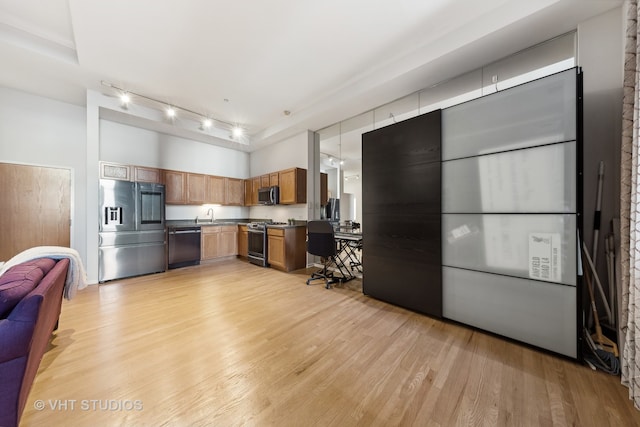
[
  {"x": 171, "y": 112},
  {"x": 206, "y": 123},
  {"x": 237, "y": 131}
]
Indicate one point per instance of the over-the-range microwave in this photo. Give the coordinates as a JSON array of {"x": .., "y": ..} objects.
[{"x": 269, "y": 195}]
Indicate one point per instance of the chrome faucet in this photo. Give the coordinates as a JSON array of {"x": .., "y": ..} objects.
[{"x": 210, "y": 212}]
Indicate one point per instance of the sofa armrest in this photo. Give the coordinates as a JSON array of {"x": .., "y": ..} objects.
[{"x": 15, "y": 336}]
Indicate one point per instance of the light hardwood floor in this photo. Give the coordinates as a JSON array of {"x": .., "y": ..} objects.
[{"x": 229, "y": 343}]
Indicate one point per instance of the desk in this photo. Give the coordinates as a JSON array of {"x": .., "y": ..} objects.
[{"x": 348, "y": 242}]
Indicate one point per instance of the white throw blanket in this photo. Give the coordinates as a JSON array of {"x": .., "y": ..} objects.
[{"x": 76, "y": 274}]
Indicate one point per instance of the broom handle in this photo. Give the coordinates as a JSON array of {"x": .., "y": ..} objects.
[
  {"x": 596, "y": 217},
  {"x": 595, "y": 276},
  {"x": 594, "y": 310}
]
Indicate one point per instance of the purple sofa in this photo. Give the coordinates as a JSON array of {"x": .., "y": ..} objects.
[{"x": 30, "y": 303}]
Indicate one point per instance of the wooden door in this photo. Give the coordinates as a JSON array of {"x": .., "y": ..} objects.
[{"x": 36, "y": 208}]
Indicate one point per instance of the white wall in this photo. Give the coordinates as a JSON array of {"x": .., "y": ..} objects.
[
  {"x": 289, "y": 153},
  {"x": 600, "y": 54},
  {"x": 40, "y": 131},
  {"x": 131, "y": 145}
]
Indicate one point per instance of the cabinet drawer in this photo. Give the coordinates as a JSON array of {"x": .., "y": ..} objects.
[
  {"x": 275, "y": 232},
  {"x": 210, "y": 229}
]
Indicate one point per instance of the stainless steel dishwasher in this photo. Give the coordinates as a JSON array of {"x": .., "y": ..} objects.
[{"x": 184, "y": 246}]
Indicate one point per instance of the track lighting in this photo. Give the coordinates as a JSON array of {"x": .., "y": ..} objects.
[
  {"x": 124, "y": 100},
  {"x": 206, "y": 122}
]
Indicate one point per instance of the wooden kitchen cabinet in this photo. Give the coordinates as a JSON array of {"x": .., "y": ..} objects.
[
  {"x": 196, "y": 189},
  {"x": 228, "y": 243},
  {"x": 209, "y": 242},
  {"x": 216, "y": 190},
  {"x": 287, "y": 248},
  {"x": 276, "y": 248},
  {"x": 234, "y": 191},
  {"x": 144, "y": 174},
  {"x": 218, "y": 241},
  {"x": 264, "y": 181},
  {"x": 243, "y": 241},
  {"x": 255, "y": 186},
  {"x": 274, "y": 179},
  {"x": 248, "y": 192},
  {"x": 115, "y": 171},
  {"x": 293, "y": 186},
  {"x": 175, "y": 187}
]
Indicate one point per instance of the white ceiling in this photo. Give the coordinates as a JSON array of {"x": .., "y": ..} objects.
[{"x": 320, "y": 60}]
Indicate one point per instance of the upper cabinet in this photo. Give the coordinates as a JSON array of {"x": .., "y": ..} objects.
[
  {"x": 293, "y": 186},
  {"x": 216, "y": 191},
  {"x": 144, "y": 174},
  {"x": 234, "y": 191},
  {"x": 274, "y": 179},
  {"x": 196, "y": 189},
  {"x": 115, "y": 171},
  {"x": 175, "y": 187},
  {"x": 264, "y": 181}
]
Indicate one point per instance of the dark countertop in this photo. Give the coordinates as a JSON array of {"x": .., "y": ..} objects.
[{"x": 234, "y": 221}]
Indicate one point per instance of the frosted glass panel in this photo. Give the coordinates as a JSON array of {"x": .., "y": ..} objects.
[
  {"x": 540, "y": 179},
  {"x": 536, "y": 113},
  {"x": 538, "y": 313},
  {"x": 541, "y": 247}
]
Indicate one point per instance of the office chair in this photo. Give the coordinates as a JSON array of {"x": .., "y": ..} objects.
[{"x": 321, "y": 242}]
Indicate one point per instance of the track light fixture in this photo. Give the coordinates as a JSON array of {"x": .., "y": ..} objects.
[{"x": 206, "y": 122}]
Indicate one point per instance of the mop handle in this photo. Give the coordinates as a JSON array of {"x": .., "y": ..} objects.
[{"x": 596, "y": 216}]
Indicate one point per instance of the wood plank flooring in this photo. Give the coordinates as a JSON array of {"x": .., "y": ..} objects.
[{"x": 232, "y": 344}]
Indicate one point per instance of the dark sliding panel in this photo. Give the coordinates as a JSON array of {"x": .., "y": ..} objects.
[{"x": 401, "y": 214}]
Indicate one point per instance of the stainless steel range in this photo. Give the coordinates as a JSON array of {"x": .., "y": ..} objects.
[{"x": 258, "y": 243}]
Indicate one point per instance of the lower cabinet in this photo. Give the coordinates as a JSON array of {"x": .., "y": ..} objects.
[
  {"x": 219, "y": 241},
  {"x": 286, "y": 248},
  {"x": 243, "y": 241}
]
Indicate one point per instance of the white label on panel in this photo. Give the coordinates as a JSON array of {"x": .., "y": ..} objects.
[{"x": 544, "y": 256}]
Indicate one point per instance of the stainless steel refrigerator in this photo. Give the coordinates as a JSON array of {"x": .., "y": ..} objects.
[{"x": 132, "y": 235}]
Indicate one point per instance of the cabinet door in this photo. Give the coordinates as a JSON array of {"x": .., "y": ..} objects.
[
  {"x": 287, "y": 186},
  {"x": 264, "y": 181},
  {"x": 143, "y": 174},
  {"x": 228, "y": 243},
  {"x": 235, "y": 191},
  {"x": 255, "y": 186},
  {"x": 293, "y": 186},
  {"x": 115, "y": 171},
  {"x": 273, "y": 179},
  {"x": 243, "y": 241},
  {"x": 216, "y": 190},
  {"x": 210, "y": 242},
  {"x": 196, "y": 189},
  {"x": 175, "y": 187},
  {"x": 276, "y": 249},
  {"x": 248, "y": 192}
]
